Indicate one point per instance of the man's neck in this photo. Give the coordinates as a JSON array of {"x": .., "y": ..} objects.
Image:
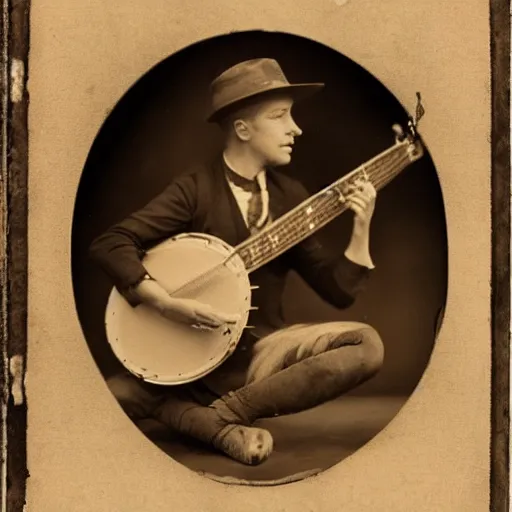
[{"x": 242, "y": 163}]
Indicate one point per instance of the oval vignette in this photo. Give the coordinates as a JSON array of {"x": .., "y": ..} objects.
[{"x": 158, "y": 129}]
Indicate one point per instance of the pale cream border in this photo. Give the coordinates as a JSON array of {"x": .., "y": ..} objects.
[{"x": 84, "y": 454}]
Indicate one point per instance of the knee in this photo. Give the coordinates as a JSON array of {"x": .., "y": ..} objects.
[
  {"x": 373, "y": 350},
  {"x": 119, "y": 386},
  {"x": 126, "y": 392},
  {"x": 366, "y": 339}
]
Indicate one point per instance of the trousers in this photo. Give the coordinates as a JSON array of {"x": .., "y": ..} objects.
[{"x": 292, "y": 369}]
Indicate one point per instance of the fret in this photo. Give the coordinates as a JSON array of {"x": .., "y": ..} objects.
[{"x": 322, "y": 207}]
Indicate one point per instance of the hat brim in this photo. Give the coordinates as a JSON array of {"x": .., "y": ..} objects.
[{"x": 296, "y": 91}]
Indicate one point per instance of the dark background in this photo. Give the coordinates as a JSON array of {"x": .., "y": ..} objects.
[{"x": 158, "y": 129}]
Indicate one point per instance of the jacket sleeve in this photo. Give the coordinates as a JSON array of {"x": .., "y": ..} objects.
[
  {"x": 335, "y": 278},
  {"x": 119, "y": 251}
]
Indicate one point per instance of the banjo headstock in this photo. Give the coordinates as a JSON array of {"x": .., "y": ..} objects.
[{"x": 410, "y": 135}]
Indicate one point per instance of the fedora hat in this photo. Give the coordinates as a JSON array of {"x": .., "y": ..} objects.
[{"x": 250, "y": 79}]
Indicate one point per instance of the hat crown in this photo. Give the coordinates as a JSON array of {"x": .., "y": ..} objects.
[
  {"x": 251, "y": 72},
  {"x": 248, "y": 79},
  {"x": 245, "y": 79}
]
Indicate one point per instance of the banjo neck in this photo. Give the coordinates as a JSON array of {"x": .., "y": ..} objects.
[
  {"x": 316, "y": 211},
  {"x": 324, "y": 206}
]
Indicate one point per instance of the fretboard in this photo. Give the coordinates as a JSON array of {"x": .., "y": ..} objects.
[{"x": 322, "y": 207}]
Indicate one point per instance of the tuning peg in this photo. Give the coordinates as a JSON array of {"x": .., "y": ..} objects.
[
  {"x": 399, "y": 132},
  {"x": 253, "y": 308},
  {"x": 254, "y": 287},
  {"x": 420, "y": 111}
]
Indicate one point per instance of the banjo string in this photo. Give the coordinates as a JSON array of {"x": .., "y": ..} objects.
[
  {"x": 209, "y": 274},
  {"x": 197, "y": 282},
  {"x": 204, "y": 277}
]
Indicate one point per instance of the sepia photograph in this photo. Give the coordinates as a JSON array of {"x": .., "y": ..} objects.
[
  {"x": 260, "y": 256},
  {"x": 255, "y": 256}
]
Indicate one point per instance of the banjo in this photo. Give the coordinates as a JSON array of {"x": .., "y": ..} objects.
[{"x": 166, "y": 352}]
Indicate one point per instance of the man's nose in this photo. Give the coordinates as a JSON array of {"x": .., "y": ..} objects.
[{"x": 295, "y": 128}]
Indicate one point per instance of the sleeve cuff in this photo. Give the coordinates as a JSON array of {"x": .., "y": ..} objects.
[
  {"x": 129, "y": 292},
  {"x": 356, "y": 265}
]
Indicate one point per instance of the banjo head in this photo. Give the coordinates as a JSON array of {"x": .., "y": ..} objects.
[{"x": 166, "y": 352}]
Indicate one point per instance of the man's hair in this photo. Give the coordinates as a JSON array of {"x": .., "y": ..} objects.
[{"x": 245, "y": 109}]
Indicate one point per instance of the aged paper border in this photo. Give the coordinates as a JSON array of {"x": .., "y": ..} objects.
[
  {"x": 14, "y": 273},
  {"x": 500, "y": 271}
]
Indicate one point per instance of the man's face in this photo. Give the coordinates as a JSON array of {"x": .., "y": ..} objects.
[{"x": 270, "y": 130}]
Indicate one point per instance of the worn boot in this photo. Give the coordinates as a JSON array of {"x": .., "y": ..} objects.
[{"x": 218, "y": 426}]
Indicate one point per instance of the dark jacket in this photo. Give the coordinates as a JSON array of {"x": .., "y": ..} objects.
[{"x": 201, "y": 201}]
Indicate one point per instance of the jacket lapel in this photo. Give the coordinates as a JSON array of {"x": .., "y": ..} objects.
[
  {"x": 277, "y": 196},
  {"x": 226, "y": 219}
]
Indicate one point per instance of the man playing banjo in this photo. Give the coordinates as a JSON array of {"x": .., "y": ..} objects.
[{"x": 276, "y": 368}]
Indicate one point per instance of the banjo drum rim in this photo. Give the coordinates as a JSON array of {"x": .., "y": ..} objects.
[{"x": 191, "y": 376}]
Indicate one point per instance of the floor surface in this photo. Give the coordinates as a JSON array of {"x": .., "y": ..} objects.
[{"x": 304, "y": 443}]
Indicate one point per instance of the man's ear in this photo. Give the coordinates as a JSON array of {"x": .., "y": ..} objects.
[{"x": 241, "y": 129}]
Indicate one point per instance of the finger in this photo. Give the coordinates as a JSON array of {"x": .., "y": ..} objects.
[
  {"x": 370, "y": 191},
  {"x": 202, "y": 327},
  {"x": 357, "y": 196},
  {"x": 220, "y": 316},
  {"x": 217, "y": 318},
  {"x": 357, "y": 209},
  {"x": 354, "y": 189},
  {"x": 207, "y": 318},
  {"x": 368, "y": 195},
  {"x": 362, "y": 203},
  {"x": 357, "y": 185},
  {"x": 207, "y": 323},
  {"x": 226, "y": 318},
  {"x": 365, "y": 187},
  {"x": 366, "y": 192}
]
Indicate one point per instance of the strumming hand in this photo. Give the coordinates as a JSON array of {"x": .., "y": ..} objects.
[{"x": 188, "y": 311}]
